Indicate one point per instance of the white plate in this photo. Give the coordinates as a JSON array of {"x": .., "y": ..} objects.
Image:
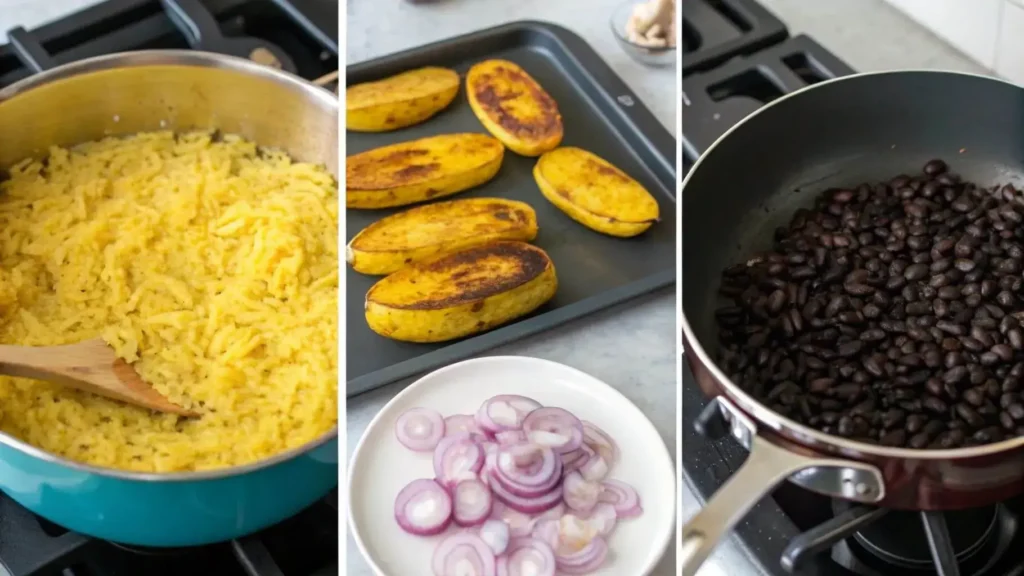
[{"x": 381, "y": 466}]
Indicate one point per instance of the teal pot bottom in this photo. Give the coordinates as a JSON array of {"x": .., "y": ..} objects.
[{"x": 168, "y": 513}]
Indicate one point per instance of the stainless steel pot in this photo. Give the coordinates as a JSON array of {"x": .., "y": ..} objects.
[{"x": 176, "y": 90}]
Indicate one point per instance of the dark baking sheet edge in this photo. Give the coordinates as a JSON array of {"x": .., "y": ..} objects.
[{"x": 636, "y": 121}]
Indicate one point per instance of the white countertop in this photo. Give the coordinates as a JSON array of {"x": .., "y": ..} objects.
[
  {"x": 632, "y": 347},
  {"x": 869, "y": 35}
]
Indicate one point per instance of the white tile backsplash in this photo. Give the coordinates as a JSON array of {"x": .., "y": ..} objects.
[{"x": 1010, "y": 52}]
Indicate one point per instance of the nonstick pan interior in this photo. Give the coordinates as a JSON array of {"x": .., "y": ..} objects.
[{"x": 868, "y": 127}]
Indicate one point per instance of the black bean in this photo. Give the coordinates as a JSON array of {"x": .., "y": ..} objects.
[
  {"x": 918, "y": 441},
  {"x": 935, "y": 405},
  {"x": 955, "y": 375},
  {"x": 915, "y": 272},
  {"x": 1016, "y": 411},
  {"x": 934, "y": 167},
  {"x": 972, "y": 344},
  {"x": 874, "y": 365},
  {"x": 969, "y": 415},
  {"x": 884, "y": 303},
  {"x": 1004, "y": 352},
  {"x": 848, "y": 349},
  {"x": 893, "y": 438},
  {"x": 872, "y": 335},
  {"x": 975, "y": 396},
  {"x": 821, "y": 385}
]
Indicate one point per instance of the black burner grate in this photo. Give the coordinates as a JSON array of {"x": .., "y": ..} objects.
[
  {"x": 716, "y": 30},
  {"x": 716, "y": 100},
  {"x": 306, "y": 32}
]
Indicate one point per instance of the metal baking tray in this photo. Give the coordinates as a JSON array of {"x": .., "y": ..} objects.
[{"x": 600, "y": 114}]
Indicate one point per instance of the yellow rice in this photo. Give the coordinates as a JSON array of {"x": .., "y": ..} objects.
[{"x": 209, "y": 264}]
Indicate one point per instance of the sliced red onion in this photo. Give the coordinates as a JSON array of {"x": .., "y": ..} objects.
[
  {"x": 583, "y": 455},
  {"x": 599, "y": 441},
  {"x": 420, "y": 429},
  {"x": 519, "y": 524},
  {"x": 507, "y": 437},
  {"x": 570, "y": 458},
  {"x": 489, "y": 460},
  {"x": 524, "y": 456},
  {"x": 462, "y": 423},
  {"x": 530, "y": 557},
  {"x": 574, "y": 534},
  {"x": 602, "y": 518},
  {"x": 502, "y": 564},
  {"x": 526, "y": 505},
  {"x": 579, "y": 494},
  {"x": 546, "y": 531},
  {"x": 584, "y": 561},
  {"x": 539, "y": 476},
  {"x": 554, "y": 513},
  {"x": 471, "y": 502},
  {"x": 457, "y": 458},
  {"x": 505, "y": 412},
  {"x": 496, "y": 533},
  {"x": 464, "y": 554},
  {"x": 423, "y": 508},
  {"x": 622, "y": 496},
  {"x": 594, "y": 469},
  {"x": 555, "y": 428}
]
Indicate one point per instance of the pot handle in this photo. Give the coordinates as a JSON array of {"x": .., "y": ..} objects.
[{"x": 766, "y": 466}]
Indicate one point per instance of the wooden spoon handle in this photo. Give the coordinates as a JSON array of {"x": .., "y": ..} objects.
[
  {"x": 90, "y": 366},
  {"x": 41, "y": 362}
]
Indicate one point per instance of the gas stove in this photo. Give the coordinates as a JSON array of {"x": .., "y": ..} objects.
[
  {"x": 298, "y": 35},
  {"x": 737, "y": 57}
]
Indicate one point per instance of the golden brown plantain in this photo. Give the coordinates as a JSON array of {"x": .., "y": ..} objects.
[
  {"x": 419, "y": 233},
  {"x": 513, "y": 107},
  {"x": 462, "y": 293},
  {"x": 399, "y": 101},
  {"x": 420, "y": 170},
  {"x": 594, "y": 193}
]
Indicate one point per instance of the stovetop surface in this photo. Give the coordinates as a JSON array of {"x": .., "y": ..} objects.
[
  {"x": 304, "y": 545},
  {"x": 738, "y": 57}
]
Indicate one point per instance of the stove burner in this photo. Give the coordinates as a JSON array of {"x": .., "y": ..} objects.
[
  {"x": 957, "y": 543},
  {"x": 900, "y": 537}
]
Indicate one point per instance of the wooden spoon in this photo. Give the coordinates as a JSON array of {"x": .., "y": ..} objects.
[{"x": 90, "y": 366}]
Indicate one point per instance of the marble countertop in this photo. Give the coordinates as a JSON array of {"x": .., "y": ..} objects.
[
  {"x": 896, "y": 42},
  {"x": 632, "y": 347}
]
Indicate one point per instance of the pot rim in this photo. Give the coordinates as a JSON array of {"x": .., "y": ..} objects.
[
  {"x": 183, "y": 58},
  {"x": 804, "y": 435}
]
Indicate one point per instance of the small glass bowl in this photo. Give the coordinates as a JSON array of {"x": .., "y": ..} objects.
[{"x": 653, "y": 57}]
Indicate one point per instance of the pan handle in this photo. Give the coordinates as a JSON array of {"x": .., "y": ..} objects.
[{"x": 766, "y": 466}]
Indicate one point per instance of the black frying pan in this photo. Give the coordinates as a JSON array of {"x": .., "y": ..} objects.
[{"x": 837, "y": 134}]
